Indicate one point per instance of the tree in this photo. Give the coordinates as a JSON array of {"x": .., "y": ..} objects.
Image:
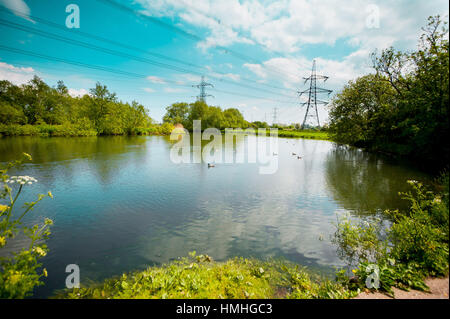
[
  {"x": 404, "y": 107},
  {"x": 362, "y": 106},
  {"x": 101, "y": 98},
  {"x": 233, "y": 118},
  {"x": 177, "y": 113}
]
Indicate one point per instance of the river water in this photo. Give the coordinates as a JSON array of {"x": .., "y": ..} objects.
[{"x": 120, "y": 203}]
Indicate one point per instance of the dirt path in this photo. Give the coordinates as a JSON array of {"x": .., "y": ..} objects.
[{"x": 438, "y": 290}]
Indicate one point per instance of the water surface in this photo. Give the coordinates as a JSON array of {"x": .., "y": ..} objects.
[{"x": 120, "y": 204}]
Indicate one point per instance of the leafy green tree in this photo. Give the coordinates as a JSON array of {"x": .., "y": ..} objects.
[
  {"x": 403, "y": 108},
  {"x": 10, "y": 114},
  {"x": 101, "y": 101},
  {"x": 233, "y": 118},
  {"x": 361, "y": 110},
  {"x": 177, "y": 113},
  {"x": 197, "y": 111}
]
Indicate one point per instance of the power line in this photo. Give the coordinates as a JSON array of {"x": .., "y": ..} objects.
[
  {"x": 110, "y": 70},
  {"x": 184, "y": 33},
  {"x": 254, "y": 97},
  {"x": 218, "y": 21},
  {"x": 122, "y": 54},
  {"x": 126, "y": 46}
]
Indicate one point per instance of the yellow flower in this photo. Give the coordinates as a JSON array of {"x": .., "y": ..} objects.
[
  {"x": 50, "y": 194},
  {"x": 44, "y": 272},
  {"x": 3, "y": 208},
  {"x": 15, "y": 277},
  {"x": 2, "y": 241},
  {"x": 40, "y": 251},
  {"x": 354, "y": 271}
]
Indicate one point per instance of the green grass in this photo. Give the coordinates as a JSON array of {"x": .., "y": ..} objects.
[
  {"x": 72, "y": 130},
  {"x": 318, "y": 135},
  {"x": 200, "y": 277},
  {"x": 309, "y": 134}
]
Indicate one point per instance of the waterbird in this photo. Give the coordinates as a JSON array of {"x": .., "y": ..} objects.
[
  {"x": 211, "y": 165},
  {"x": 299, "y": 157},
  {"x": 294, "y": 153}
]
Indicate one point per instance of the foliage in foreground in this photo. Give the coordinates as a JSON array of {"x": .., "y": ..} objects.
[
  {"x": 19, "y": 272},
  {"x": 200, "y": 277},
  {"x": 414, "y": 246}
]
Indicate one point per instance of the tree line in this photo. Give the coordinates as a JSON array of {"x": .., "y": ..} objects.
[
  {"x": 211, "y": 116},
  {"x": 37, "y": 108},
  {"x": 402, "y": 108}
]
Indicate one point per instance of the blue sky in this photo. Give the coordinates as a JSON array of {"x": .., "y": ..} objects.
[{"x": 255, "y": 52}]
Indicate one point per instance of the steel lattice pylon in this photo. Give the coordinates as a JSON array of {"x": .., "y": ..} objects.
[
  {"x": 202, "y": 96},
  {"x": 312, "y": 95}
]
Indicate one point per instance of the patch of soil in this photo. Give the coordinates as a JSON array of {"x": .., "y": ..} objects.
[{"x": 438, "y": 290}]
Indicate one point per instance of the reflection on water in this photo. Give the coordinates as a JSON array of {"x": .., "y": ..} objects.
[
  {"x": 366, "y": 183},
  {"x": 120, "y": 204}
]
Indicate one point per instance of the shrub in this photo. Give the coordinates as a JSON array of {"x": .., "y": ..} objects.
[
  {"x": 19, "y": 270},
  {"x": 413, "y": 247}
]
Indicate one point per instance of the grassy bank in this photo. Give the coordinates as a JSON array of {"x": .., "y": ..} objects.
[
  {"x": 200, "y": 277},
  {"x": 72, "y": 130},
  {"x": 309, "y": 134}
]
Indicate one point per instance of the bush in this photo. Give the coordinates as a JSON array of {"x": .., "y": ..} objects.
[
  {"x": 413, "y": 247},
  {"x": 198, "y": 276},
  {"x": 19, "y": 270}
]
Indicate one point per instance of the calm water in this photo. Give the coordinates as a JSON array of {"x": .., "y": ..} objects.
[{"x": 120, "y": 204}]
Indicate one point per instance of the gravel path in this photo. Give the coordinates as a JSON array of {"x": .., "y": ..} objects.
[{"x": 438, "y": 290}]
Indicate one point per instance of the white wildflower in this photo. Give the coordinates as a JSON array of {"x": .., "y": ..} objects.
[
  {"x": 22, "y": 180},
  {"x": 437, "y": 200}
]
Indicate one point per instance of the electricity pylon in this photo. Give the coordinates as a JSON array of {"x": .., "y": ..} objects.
[
  {"x": 274, "y": 120},
  {"x": 312, "y": 95},
  {"x": 202, "y": 85}
]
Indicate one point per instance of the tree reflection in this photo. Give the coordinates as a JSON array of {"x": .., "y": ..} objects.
[{"x": 366, "y": 183}]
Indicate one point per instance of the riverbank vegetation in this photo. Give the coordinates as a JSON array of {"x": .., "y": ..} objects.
[
  {"x": 404, "y": 250},
  {"x": 200, "y": 277},
  {"x": 403, "y": 107},
  {"x": 308, "y": 134},
  {"x": 20, "y": 270},
  {"x": 36, "y": 109}
]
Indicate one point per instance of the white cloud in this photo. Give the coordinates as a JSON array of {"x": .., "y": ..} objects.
[
  {"x": 155, "y": 79},
  {"x": 77, "y": 92},
  {"x": 285, "y": 26},
  {"x": 16, "y": 75},
  {"x": 18, "y": 7},
  {"x": 257, "y": 69},
  {"x": 149, "y": 90}
]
